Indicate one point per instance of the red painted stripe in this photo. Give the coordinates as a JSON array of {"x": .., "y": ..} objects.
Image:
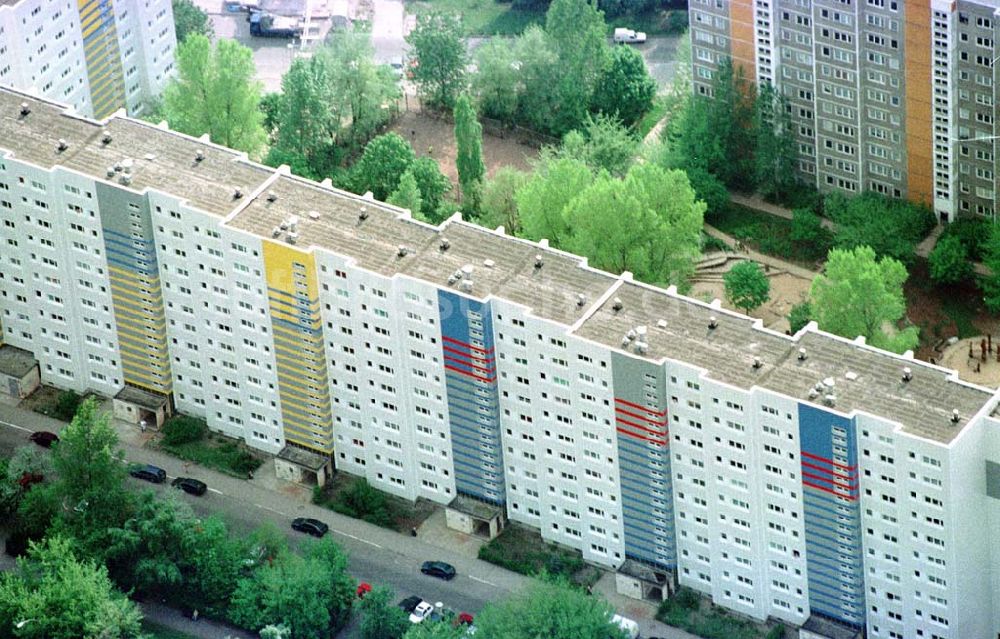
[
  {"x": 642, "y": 408},
  {"x": 469, "y": 346},
  {"x": 839, "y": 484},
  {"x": 466, "y": 354},
  {"x": 465, "y": 363},
  {"x": 828, "y": 461},
  {"x": 850, "y": 475},
  {"x": 827, "y": 490},
  {"x": 645, "y": 428},
  {"x": 645, "y": 419},
  {"x": 488, "y": 380},
  {"x": 648, "y": 439}
]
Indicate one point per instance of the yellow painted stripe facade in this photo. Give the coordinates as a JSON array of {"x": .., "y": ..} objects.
[
  {"x": 102, "y": 55},
  {"x": 142, "y": 330},
  {"x": 303, "y": 386}
]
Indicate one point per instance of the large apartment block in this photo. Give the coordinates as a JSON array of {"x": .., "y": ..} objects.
[
  {"x": 888, "y": 96},
  {"x": 808, "y": 478},
  {"x": 96, "y": 55}
]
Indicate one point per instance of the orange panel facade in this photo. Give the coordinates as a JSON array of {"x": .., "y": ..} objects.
[
  {"x": 741, "y": 37},
  {"x": 919, "y": 125}
]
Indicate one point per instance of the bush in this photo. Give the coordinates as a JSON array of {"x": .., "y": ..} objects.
[
  {"x": 524, "y": 551},
  {"x": 799, "y": 316},
  {"x": 362, "y": 501},
  {"x": 66, "y": 404},
  {"x": 891, "y": 227},
  {"x": 777, "y": 632},
  {"x": 972, "y": 232},
  {"x": 183, "y": 429},
  {"x": 687, "y": 599}
]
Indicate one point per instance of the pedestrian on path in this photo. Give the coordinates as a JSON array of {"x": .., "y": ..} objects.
[{"x": 250, "y": 474}]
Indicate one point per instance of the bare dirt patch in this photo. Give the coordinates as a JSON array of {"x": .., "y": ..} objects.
[
  {"x": 787, "y": 290},
  {"x": 435, "y": 137}
]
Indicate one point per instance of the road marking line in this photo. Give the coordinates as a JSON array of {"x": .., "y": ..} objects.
[
  {"x": 216, "y": 491},
  {"x": 483, "y": 581},
  {"x": 27, "y": 430},
  {"x": 277, "y": 512},
  {"x": 355, "y": 538}
]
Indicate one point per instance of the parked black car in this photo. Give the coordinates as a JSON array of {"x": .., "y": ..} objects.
[
  {"x": 149, "y": 473},
  {"x": 408, "y": 604},
  {"x": 313, "y": 527},
  {"x": 439, "y": 569},
  {"x": 190, "y": 486}
]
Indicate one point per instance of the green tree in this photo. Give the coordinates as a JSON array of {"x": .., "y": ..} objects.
[
  {"x": 211, "y": 563},
  {"x": 949, "y": 261},
  {"x": 309, "y": 121},
  {"x": 407, "y": 194},
  {"x": 577, "y": 32},
  {"x": 747, "y": 287},
  {"x": 776, "y": 152},
  {"x": 539, "y": 101},
  {"x": 861, "y": 295},
  {"x": 499, "y": 206},
  {"x": 890, "y": 227},
  {"x": 433, "y": 186},
  {"x": 469, "y": 152},
  {"x": 991, "y": 260},
  {"x": 365, "y": 91},
  {"x": 384, "y": 161},
  {"x": 190, "y": 18},
  {"x": 709, "y": 189},
  {"x": 441, "y": 57},
  {"x": 543, "y": 199},
  {"x": 602, "y": 144},
  {"x": 90, "y": 485},
  {"x": 271, "y": 106},
  {"x": 64, "y": 597},
  {"x": 649, "y": 223},
  {"x": 497, "y": 80},
  {"x": 799, "y": 316},
  {"x": 215, "y": 92},
  {"x": 381, "y": 617},
  {"x": 809, "y": 234},
  {"x": 146, "y": 552},
  {"x": 625, "y": 91},
  {"x": 731, "y": 119},
  {"x": 551, "y": 610}
]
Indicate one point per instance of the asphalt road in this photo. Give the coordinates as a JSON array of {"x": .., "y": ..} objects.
[{"x": 377, "y": 556}]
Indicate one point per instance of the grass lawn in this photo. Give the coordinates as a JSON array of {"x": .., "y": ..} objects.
[
  {"x": 523, "y": 550},
  {"x": 216, "y": 452},
  {"x": 654, "y": 115},
  {"x": 698, "y": 616},
  {"x": 482, "y": 17},
  {"x": 156, "y": 631}
]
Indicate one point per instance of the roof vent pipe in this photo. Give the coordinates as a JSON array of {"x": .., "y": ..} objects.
[
  {"x": 802, "y": 354},
  {"x": 907, "y": 374},
  {"x": 954, "y": 416},
  {"x": 713, "y": 322},
  {"x": 617, "y": 304},
  {"x": 757, "y": 362},
  {"x": 25, "y": 109}
]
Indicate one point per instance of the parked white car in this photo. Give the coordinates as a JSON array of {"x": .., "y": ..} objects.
[
  {"x": 421, "y": 612},
  {"x": 628, "y": 36}
]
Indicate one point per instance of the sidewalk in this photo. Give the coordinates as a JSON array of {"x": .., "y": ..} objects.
[
  {"x": 203, "y": 628},
  {"x": 774, "y": 262}
]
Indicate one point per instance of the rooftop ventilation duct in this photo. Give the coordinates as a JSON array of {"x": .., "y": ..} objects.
[
  {"x": 954, "y": 416},
  {"x": 802, "y": 355},
  {"x": 199, "y": 155},
  {"x": 445, "y": 244},
  {"x": 617, "y": 305},
  {"x": 25, "y": 109},
  {"x": 63, "y": 144},
  {"x": 106, "y": 138},
  {"x": 271, "y": 196},
  {"x": 237, "y": 193},
  {"x": 401, "y": 250},
  {"x": 713, "y": 322},
  {"x": 757, "y": 362},
  {"x": 907, "y": 374},
  {"x": 538, "y": 261}
]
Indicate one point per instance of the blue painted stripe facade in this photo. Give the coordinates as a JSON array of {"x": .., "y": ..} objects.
[
  {"x": 473, "y": 398},
  {"x": 644, "y": 461},
  {"x": 832, "y": 513}
]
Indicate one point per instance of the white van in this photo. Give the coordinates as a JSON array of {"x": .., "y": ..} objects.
[
  {"x": 628, "y": 36},
  {"x": 630, "y": 627}
]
